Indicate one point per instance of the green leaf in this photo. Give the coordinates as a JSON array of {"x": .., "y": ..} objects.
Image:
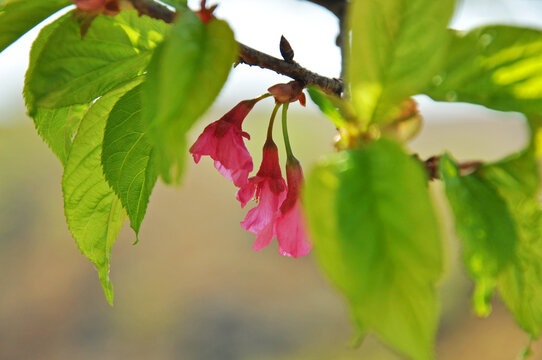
[
  {"x": 397, "y": 46},
  {"x": 73, "y": 70},
  {"x": 19, "y": 16},
  {"x": 326, "y": 106},
  {"x": 93, "y": 211},
  {"x": 496, "y": 66},
  {"x": 178, "y": 4},
  {"x": 520, "y": 285},
  {"x": 58, "y": 126},
  {"x": 55, "y": 126},
  {"x": 127, "y": 157},
  {"x": 516, "y": 174},
  {"x": 184, "y": 77},
  {"x": 486, "y": 227},
  {"x": 377, "y": 238}
]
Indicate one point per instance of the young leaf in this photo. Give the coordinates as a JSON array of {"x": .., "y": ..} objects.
[
  {"x": 520, "y": 285},
  {"x": 93, "y": 211},
  {"x": 486, "y": 227},
  {"x": 377, "y": 238},
  {"x": 19, "y": 16},
  {"x": 397, "y": 46},
  {"x": 185, "y": 75},
  {"x": 73, "y": 70},
  {"x": 127, "y": 157},
  {"x": 326, "y": 106},
  {"x": 495, "y": 66}
]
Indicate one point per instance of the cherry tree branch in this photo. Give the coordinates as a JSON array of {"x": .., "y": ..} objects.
[
  {"x": 291, "y": 69},
  {"x": 153, "y": 10},
  {"x": 253, "y": 57},
  {"x": 250, "y": 56},
  {"x": 465, "y": 167}
]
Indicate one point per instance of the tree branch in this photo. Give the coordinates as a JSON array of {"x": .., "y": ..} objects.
[
  {"x": 250, "y": 56},
  {"x": 292, "y": 69},
  {"x": 153, "y": 10},
  {"x": 465, "y": 167}
]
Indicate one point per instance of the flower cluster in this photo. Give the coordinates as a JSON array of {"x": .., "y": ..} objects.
[{"x": 279, "y": 212}]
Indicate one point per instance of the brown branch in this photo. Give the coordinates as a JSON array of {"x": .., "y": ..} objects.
[
  {"x": 153, "y": 10},
  {"x": 292, "y": 69},
  {"x": 250, "y": 56},
  {"x": 465, "y": 168}
]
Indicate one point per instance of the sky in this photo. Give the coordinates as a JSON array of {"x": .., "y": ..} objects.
[{"x": 310, "y": 29}]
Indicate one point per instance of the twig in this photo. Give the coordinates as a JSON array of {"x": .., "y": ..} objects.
[
  {"x": 292, "y": 69},
  {"x": 250, "y": 56},
  {"x": 465, "y": 168},
  {"x": 153, "y": 10}
]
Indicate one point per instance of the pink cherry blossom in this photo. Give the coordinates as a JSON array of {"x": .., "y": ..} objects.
[
  {"x": 270, "y": 189},
  {"x": 291, "y": 231},
  {"x": 288, "y": 224},
  {"x": 223, "y": 141}
]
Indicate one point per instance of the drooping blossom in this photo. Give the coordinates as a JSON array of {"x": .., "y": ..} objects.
[
  {"x": 288, "y": 224},
  {"x": 270, "y": 189},
  {"x": 223, "y": 141},
  {"x": 287, "y": 93}
]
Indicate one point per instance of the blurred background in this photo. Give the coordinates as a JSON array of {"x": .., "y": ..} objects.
[{"x": 193, "y": 288}]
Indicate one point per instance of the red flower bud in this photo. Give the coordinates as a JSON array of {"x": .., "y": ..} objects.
[{"x": 289, "y": 92}]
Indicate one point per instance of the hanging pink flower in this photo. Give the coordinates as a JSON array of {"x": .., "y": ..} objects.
[
  {"x": 223, "y": 141},
  {"x": 270, "y": 189},
  {"x": 288, "y": 224}
]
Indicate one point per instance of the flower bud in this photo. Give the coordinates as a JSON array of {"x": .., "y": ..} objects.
[{"x": 290, "y": 92}]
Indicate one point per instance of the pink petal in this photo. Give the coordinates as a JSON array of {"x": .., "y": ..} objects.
[
  {"x": 258, "y": 217},
  {"x": 232, "y": 152},
  {"x": 238, "y": 176},
  {"x": 235, "y": 162},
  {"x": 265, "y": 236},
  {"x": 292, "y": 232},
  {"x": 205, "y": 144},
  {"x": 197, "y": 158},
  {"x": 246, "y": 192}
]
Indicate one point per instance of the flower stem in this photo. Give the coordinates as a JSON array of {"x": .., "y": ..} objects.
[
  {"x": 266, "y": 95},
  {"x": 272, "y": 121},
  {"x": 289, "y": 154}
]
